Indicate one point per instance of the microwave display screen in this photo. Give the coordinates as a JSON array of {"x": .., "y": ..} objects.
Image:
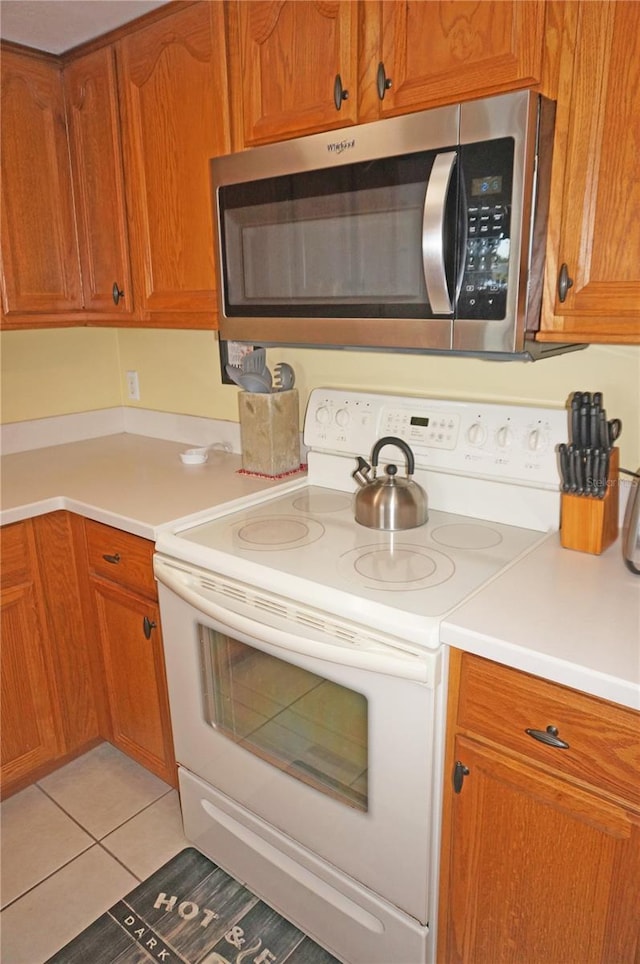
[{"x": 486, "y": 185}]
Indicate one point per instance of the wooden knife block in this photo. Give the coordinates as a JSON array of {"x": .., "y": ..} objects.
[{"x": 588, "y": 524}]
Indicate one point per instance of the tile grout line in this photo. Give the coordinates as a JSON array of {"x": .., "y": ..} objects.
[{"x": 95, "y": 841}]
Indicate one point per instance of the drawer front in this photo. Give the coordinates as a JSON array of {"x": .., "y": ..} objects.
[
  {"x": 14, "y": 552},
  {"x": 500, "y": 704},
  {"x": 121, "y": 557}
]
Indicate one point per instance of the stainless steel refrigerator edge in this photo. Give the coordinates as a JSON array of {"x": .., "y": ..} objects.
[{"x": 444, "y": 327}]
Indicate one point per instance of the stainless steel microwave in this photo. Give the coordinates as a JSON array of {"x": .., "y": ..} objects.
[{"x": 417, "y": 233}]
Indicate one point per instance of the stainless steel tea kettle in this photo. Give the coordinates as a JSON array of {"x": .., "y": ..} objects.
[{"x": 389, "y": 503}]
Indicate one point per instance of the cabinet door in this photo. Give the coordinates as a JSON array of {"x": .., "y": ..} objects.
[
  {"x": 28, "y": 718},
  {"x": 597, "y": 137},
  {"x": 129, "y": 627},
  {"x": 534, "y": 865},
  {"x": 439, "y": 52},
  {"x": 173, "y": 95},
  {"x": 40, "y": 267},
  {"x": 96, "y": 156},
  {"x": 298, "y": 67}
]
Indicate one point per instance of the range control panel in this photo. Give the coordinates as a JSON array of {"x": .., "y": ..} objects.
[{"x": 514, "y": 442}]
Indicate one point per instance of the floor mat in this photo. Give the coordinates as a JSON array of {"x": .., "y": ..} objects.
[{"x": 190, "y": 911}]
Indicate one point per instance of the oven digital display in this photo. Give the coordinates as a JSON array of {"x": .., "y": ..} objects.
[
  {"x": 491, "y": 184},
  {"x": 419, "y": 420}
]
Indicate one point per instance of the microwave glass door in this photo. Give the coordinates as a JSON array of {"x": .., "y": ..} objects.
[
  {"x": 370, "y": 239},
  {"x": 309, "y": 727}
]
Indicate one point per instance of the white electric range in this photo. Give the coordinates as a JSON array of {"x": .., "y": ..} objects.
[{"x": 306, "y": 678}]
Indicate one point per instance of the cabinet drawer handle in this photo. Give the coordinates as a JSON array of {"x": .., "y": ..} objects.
[
  {"x": 116, "y": 293},
  {"x": 383, "y": 82},
  {"x": 114, "y": 559},
  {"x": 564, "y": 283},
  {"x": 147, "y": 626},
  {"x": 548, "y": 736},
  {"x": 339, "y": 92}
]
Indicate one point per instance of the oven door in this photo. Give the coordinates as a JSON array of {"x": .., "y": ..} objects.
[{"x": 320, "y": 729}]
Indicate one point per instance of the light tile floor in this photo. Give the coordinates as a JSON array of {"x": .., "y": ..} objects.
[{"x": 75, "y": 842}]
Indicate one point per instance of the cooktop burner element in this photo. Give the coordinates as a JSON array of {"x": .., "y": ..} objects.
[
  {"x": 466, "y": 536},
  {"x": 278, "y": 532},
  {"x": 396, "y": 567},
  {"x": 319, "y": 501}
]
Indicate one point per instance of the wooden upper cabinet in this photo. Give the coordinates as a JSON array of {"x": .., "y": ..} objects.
[
  {"x": 596, "y": 188},
  {"x": 173, "y": 100},
  {"x": 437, "y": 52},
  {"x": 94, "y": 136},
  {"x": 296, "y": 67},
  {"x": 40, "y": 267}
]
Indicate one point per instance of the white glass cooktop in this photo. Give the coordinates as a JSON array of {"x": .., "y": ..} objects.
[{"x": 311, "y": 535}]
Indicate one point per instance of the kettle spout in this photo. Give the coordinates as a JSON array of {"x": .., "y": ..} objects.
[{"x": 361, "y": 474}]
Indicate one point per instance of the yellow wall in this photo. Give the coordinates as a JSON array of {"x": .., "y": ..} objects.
[
  {"x": 57, "y": 372},
  {"x": 71, "y": 370}
]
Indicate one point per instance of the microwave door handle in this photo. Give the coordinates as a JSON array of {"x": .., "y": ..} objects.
[{"x": 433, "y": 217}]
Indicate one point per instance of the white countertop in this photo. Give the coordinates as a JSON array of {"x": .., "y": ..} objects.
[
  {"x": 129, "y": 481},
  {"x": 567, "y": 616}
]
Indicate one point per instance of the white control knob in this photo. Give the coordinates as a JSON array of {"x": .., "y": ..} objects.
[
  {"x": 323, "y": 415},
  {"x": 476, "y": 435},
  {"x": 536, "y": 440},
  {"x": 342, "y": 417},
  {"x": 504, "y": 436}
]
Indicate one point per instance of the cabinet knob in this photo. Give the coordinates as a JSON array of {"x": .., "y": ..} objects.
[
  {"x": 460, "y": 771},
  {"x": 548, "y": 736},
  {"x": 113, "y": 559},
  {"x": 339, "y": 92},
  {"x": 117, "y": 293},
  {"x": 383, "y": 82},
  {"x": 564, "y": 283},
  {"x": 147, "y": 626}
]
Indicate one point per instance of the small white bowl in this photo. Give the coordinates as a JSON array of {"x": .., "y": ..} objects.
[{"x": 194, "y": 456}]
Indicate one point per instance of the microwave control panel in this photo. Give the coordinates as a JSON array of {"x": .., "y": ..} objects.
[{"x": 487, "y": 173}]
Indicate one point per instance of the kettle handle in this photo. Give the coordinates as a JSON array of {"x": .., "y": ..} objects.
[{"x": 401, "y": 444}]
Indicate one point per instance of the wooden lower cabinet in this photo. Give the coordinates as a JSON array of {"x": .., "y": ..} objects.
[
  {"x": 126, "y": 618},
  {"x": 81, "y": 657},
  {"x": 30, "y": 725},
  {"x": 537, "y": 864}
]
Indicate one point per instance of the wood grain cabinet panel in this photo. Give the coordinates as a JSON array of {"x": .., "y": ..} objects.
[
  {"x": 290, "y": 57},
  {"x": 121, "y": 557},
  {"x": 539, "y": 870},
  {"x": 129, "y": 627},
  {"x": 173, "y": 99},
  {"x": 94, "y": 135},
  {"x": 125, "y": 617},
  {"x": 29, "y": 722},
  {"x": 540, "y": 844},
  {"x": 40, "y": 266},
  {"x": 595, "y": 229},
  {"x": 439, "y": 52}
]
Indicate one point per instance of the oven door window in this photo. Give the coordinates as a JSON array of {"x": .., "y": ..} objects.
[{"x": 309, "y": 727}]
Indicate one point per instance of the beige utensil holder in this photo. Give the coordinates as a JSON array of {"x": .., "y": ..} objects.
[
  {"x": 269, "y": 432},
  {"x": 588, "y": 524}
]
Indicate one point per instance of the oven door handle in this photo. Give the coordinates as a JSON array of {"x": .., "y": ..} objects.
[{"x": 375, "y": 655}]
